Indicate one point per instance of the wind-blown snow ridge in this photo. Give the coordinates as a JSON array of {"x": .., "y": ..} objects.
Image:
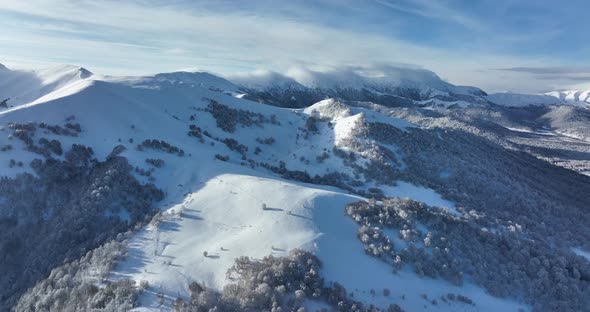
[
  {"x": 384, "y": 79},
  {"x": 22, "y": 87}
]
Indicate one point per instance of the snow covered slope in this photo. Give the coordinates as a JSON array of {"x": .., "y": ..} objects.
[
  {"x": 224, "y": 218},
  {"x": 246, "y": 179},
  {"x": 571, "y": 96},
  {"x": 233, "y": 208},
  {"x": 22, "y": 87}
]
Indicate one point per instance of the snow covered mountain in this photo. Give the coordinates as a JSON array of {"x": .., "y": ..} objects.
[
  {"x": 572, "y": 97},
  {"x": 397, "y": 86},
  {"x": 20, "y": 86},
  {"x": 201, "y": 176}
]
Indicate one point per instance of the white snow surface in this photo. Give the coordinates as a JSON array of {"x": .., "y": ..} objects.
[
  {"x": 21, "y": 86},
  {"x": 212, "y": 204},
  {"x": 225, "y": 218}
]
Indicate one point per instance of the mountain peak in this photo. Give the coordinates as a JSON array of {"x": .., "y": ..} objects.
[
  {"x": 64, "y": 70},
  {"x": 84, "y": 73}
]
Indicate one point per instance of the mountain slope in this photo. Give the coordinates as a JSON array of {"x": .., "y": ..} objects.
[
  {"x": 245, "y": 179},
  {"x": 21, "y": 87},
  {"x": 225, "y": 219},
  {"x": 191, "y": 233}
]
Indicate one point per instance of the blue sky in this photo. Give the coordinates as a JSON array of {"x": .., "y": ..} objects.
[{"x": 501, "y": 45}]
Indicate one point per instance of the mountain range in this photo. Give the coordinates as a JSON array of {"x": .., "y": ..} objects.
[{"x": 346, "y": 190}]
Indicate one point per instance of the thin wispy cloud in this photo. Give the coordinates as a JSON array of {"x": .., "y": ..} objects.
[
  {"x": 551, "y": 70},
  {"x": 561, "y": 77},
  {"x": 435, "y": 10},
  {"x": 459, "y": 42}
]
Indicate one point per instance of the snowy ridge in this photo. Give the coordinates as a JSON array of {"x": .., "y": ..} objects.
[
  {"x": 571, "y": 96},
  {"x": 201, "y": 79},
  {"x": 356, "y": 84},
  {"x": 22, "y": 87}
]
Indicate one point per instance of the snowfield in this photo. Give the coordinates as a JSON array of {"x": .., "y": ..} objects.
[{"x": 225, "y": 218}]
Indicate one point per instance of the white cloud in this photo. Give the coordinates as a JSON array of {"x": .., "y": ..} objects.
[{"x": 132, "y": 38}]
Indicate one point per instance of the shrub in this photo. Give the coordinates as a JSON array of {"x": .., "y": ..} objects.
[
  {"x": 222, "y": 157},
  {"x": 271, "y": 284},
  {"x": 6, "y": 147},
  {"x": 161, "y": 145},
  {"x": 228, "y": 118},
  {"x": 266, "y": 141},
  {"x": 158, "y": 163}
]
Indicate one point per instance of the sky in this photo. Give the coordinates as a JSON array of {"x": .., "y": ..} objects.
[{"x": 497, "y": 45}]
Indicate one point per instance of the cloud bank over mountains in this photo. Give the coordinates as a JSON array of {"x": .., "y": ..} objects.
[{"x": 464, "y": 44}]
